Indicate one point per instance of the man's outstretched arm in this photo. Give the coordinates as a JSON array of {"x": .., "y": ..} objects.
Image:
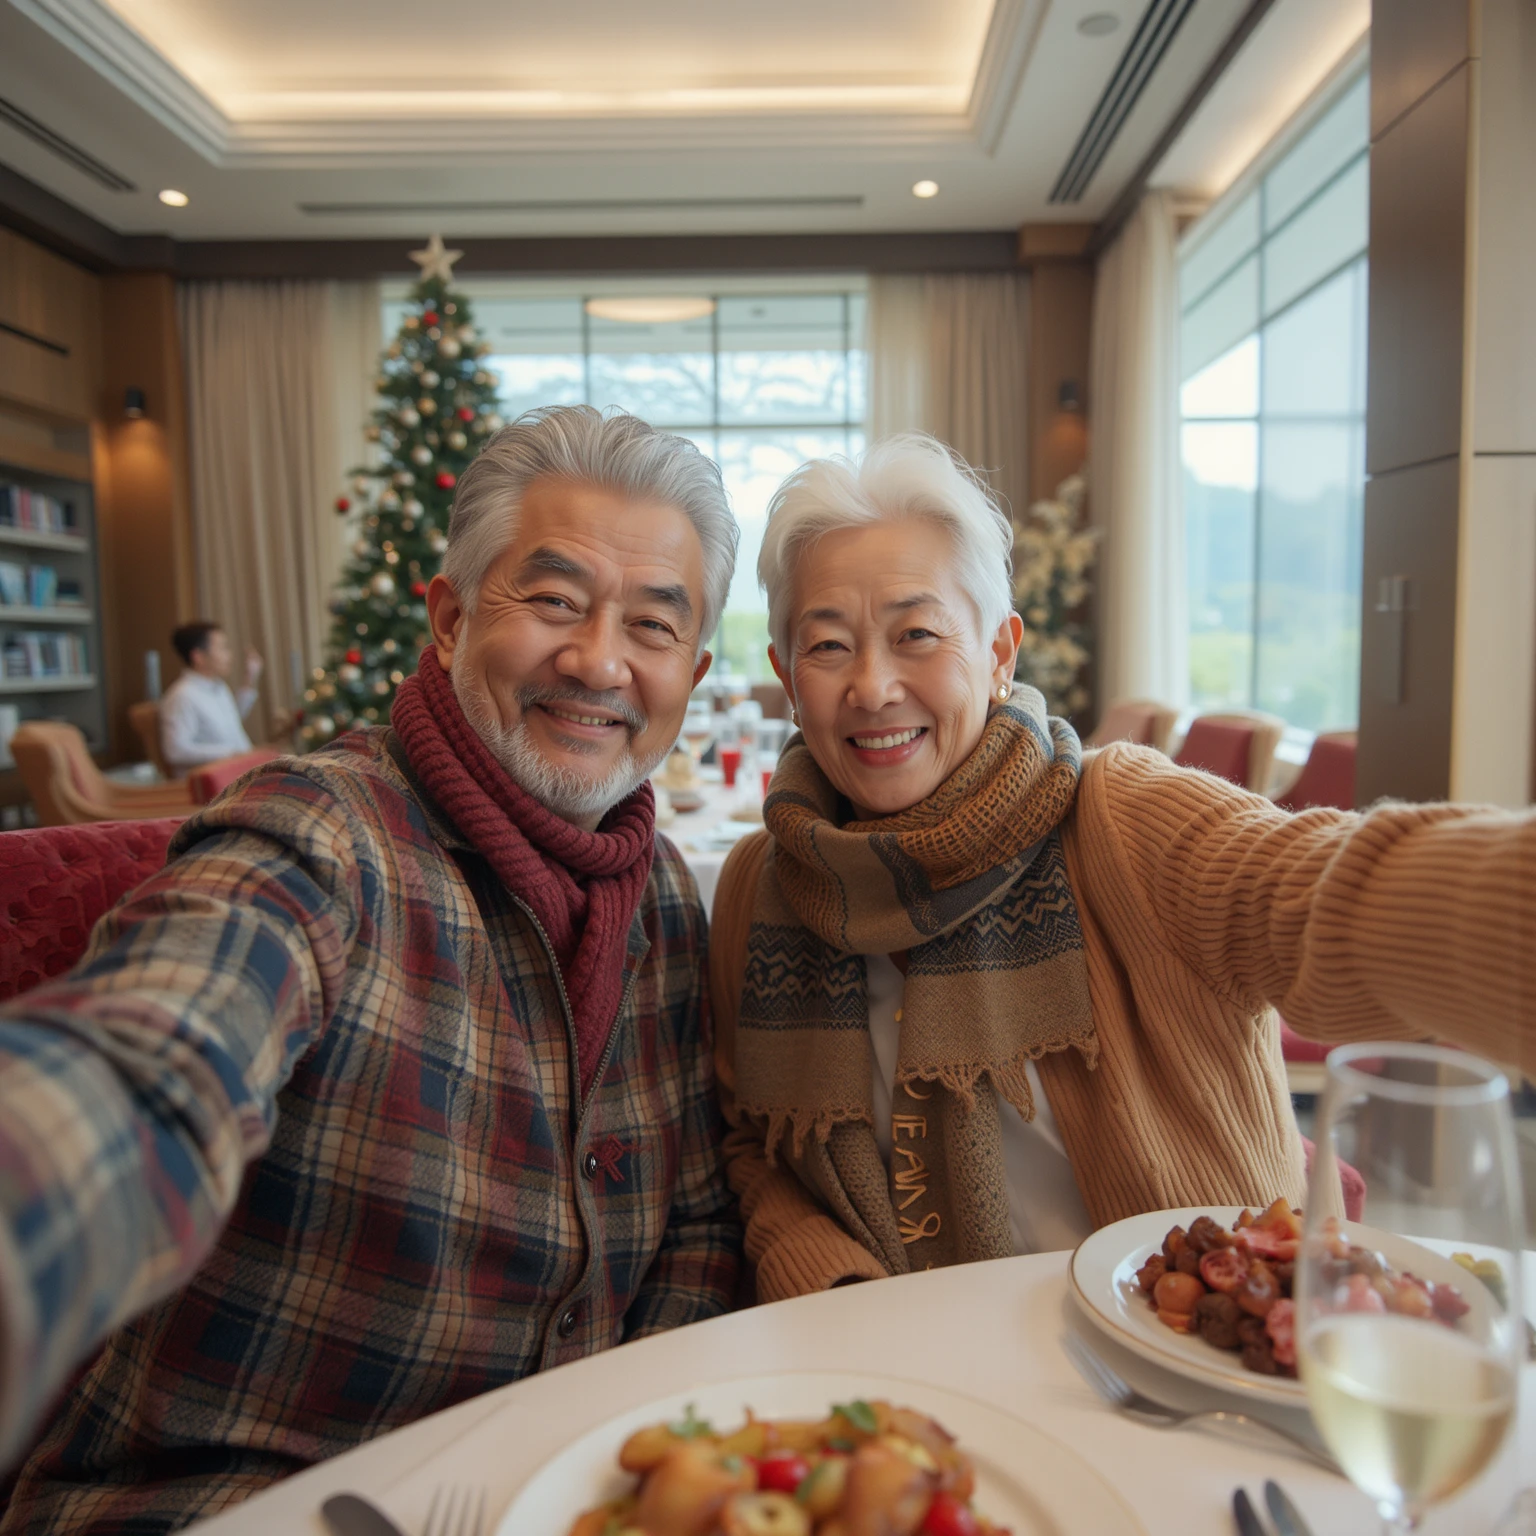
[{"x": 135, "y": 1089}]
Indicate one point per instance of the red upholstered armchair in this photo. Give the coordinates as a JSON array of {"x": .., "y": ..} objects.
[
  {"x": 1238, "y": 745},
  {"x": 58, "y": 880}
]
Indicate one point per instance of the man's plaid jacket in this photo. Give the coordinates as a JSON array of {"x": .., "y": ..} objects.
[{"x": 311, "y": 1098}]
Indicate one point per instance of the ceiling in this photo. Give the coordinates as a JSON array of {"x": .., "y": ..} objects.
[{"x": 328, "y": 119}]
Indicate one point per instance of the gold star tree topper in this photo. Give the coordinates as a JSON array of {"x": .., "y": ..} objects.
[{"x": 435, "y": 260}]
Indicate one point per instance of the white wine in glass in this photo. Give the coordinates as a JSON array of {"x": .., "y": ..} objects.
[{"x": 1410, "y": 1356}]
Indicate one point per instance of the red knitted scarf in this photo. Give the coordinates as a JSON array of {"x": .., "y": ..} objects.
[{"x": 584, "y": 887}]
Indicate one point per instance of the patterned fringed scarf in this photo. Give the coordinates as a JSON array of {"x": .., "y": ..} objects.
[{"x": 972, "y": 884}]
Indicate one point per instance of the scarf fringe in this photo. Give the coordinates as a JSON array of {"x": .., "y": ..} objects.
[
  {"x": 801, "y": 1125},
  {"x": 1010, "y": 1080}
]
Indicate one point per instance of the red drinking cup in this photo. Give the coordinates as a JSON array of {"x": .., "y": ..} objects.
[{"x": 730, "y": 761}]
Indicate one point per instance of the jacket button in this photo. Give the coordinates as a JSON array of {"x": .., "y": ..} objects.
[
  {"x": 567, "y": 1324},
  {"x": 589, "y": 1165}
]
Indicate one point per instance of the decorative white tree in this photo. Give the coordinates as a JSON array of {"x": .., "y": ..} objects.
[{"x": 1052, "y": 557}]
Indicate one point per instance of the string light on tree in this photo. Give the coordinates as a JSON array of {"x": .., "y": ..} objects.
[{"x": 437, "y": 404}]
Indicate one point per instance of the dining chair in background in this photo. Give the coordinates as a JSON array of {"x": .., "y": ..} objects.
[
  {"x": 1142, "y": 721},
  {"x": 67, "y": 788},
  {"x": 1328, "y": 778},
  {"x": 1237, "y": 745},
  {"x": 144, "y": 717}
]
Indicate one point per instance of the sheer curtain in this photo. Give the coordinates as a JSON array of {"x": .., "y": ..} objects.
[
  {"x": 947, "y": 356},
  {"x": 1133, "y": 462},
  {"x": 279, "y": 383}
]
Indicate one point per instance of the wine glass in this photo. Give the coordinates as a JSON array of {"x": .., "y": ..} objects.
[
  {"x": 1410, "y": 1356},
  {"x": 698, "y": 727}
]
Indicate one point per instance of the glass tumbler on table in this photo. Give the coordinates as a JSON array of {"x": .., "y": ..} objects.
[{"x": 1409, "y": 1330}]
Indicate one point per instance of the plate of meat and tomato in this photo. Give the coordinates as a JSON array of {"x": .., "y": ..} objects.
[{"x": 1205, "y": 1291}]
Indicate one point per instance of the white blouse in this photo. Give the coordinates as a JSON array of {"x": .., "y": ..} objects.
[{"x": 1044, "y": 1207}]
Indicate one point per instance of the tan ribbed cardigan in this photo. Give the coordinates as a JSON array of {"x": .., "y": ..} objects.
[{"x": 1202, "y": 905}]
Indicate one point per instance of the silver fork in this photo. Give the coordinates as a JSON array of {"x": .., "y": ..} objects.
[
  {"x": 1115, "y": 1390},
  {"x": 455, "y": 1512}
]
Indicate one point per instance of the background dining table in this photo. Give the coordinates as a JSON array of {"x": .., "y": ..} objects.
[{"x": 991, "y": 1332}]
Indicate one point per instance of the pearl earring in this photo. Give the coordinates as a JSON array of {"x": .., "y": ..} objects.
[
  {"x": 1002, "y": 693},
  {"x": 794, "y": 716}
]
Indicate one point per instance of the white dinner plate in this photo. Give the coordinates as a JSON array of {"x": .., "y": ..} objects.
[
  {"x": 1104, "y": 1281},
  {"x": 1024, "y": 1479}
]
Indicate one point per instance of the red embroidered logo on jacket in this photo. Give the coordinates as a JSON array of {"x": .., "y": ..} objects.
[{"x": 608, "y": 1154}]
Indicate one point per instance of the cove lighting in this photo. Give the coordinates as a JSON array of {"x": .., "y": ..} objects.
[
  {"x": 174, "y": 199},
  {"x": 655, "y": 309},
  {"x": 925, "y": 189}
]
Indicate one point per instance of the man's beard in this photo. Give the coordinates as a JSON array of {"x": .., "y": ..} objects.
[{"x": 570, "y": 795}]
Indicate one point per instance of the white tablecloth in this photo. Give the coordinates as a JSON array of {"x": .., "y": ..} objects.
[
  {"x": 692, "y": 832},
  {"x": 991, "y": 1331}
]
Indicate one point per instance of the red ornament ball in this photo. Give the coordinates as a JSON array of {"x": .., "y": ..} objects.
[
  {"x": 355, "y": 656},
  {"x": 430, "y": 317},
  {"x": 445, "y": 481},
  {"x": 465, "y": 413},
  {"x": 342, "y": 504},
  {"x": 418, "y": 589}
]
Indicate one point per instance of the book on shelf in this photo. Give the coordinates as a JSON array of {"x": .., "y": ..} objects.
[
  {"x": 35, "y": 511},
  {"x": 13, "y": 584},
  {"x": 39, "y": 653},
  {"x": 69, "y": 594},
  {"x": 42, "y": 586}
]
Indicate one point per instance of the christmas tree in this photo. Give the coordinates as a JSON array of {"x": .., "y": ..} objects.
[{"x": 437, "y": 406}]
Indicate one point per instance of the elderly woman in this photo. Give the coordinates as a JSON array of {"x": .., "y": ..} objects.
[{"x": 975, "y": 994}]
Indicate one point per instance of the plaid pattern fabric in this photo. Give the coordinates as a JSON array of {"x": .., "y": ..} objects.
[{"x": 328, "y": 1022}]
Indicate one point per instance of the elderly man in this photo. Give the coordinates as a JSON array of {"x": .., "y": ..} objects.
[{"x": 395, "y": 1085}]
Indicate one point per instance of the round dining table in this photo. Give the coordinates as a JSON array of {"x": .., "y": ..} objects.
[{"x": 989, "y": 1332}]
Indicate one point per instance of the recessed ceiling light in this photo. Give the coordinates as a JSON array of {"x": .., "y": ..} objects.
[
  {"x": 1099, "y": 24},
  {"x": 925, "y": 189},
  {"x": 658, "y": 309},
  {"x": 174, "y": 199}
]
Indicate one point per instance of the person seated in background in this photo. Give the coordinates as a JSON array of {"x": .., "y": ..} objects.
[
  {"x": 1032, "y": 988},
  {"x": 396, "y": 1084},
  {"x": 201, "y": 717}
]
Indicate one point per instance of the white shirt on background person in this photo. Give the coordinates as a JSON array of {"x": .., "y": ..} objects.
[{"x": 200, "y": 720}]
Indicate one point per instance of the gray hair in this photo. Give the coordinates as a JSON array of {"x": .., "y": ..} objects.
[
  {"x": 618, "y": 452},
  {"x": 910, "y": 475}
]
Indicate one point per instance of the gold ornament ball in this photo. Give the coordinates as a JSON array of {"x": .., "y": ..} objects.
[
  {"x": 407, "y": 525},
  {"x": 457, "y": 441},
  {"x": 383, "y": 584},
  {"x": 381, "y": 687},
  {"x": 403, "y": 478},
  {"x": 413, "y": 508},
  {"x": 449, "y": 347},
  {"x": 392, "y": 557},
  {"x": 389, "y": 647},
  {"x": 430, "y": 379},
  {"x": 317, "y": 673},
  {"x": 347, "y": 673},
  {"x": 326, "y": 690},
  {"x": 421, "y": 455},
  {"x": 323, "y": 725},
  {"x": 426, "y": 405},
  {"x": 467, "y": 334},
  {"x": 408, "y": 416}
]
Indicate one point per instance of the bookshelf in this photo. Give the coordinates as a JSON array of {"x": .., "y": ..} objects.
[{"x": 50, "y": 649}]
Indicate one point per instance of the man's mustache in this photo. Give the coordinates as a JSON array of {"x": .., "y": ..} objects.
[{"x": 534, "y": 693}]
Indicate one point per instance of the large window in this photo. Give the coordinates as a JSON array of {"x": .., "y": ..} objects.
[
  {"x": 1272, "y": 295},
  {"x": 763, "y": 382}
]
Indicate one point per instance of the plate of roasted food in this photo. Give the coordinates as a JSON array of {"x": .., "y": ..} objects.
[
  {"x": 1207, "y": 1292},
  {"x": 817, "y": 1454}
]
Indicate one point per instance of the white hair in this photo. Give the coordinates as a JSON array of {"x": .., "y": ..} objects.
[
  {"x": 617, "y": 452},
  {"x": 908, "y": 476}
]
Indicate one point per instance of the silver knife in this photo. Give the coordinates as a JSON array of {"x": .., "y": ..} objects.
[
  {"x": 1288, "y": 1519},
  {"x": 348, "y": 1515},
  {"x": 1247, "y": 1517}
]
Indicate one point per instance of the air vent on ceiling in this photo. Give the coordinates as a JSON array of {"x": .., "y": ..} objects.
[
  {"x": 584, "y": 205},
  {"x": 1155, "y": 33},
  {"x": 40, "y": 133}
]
